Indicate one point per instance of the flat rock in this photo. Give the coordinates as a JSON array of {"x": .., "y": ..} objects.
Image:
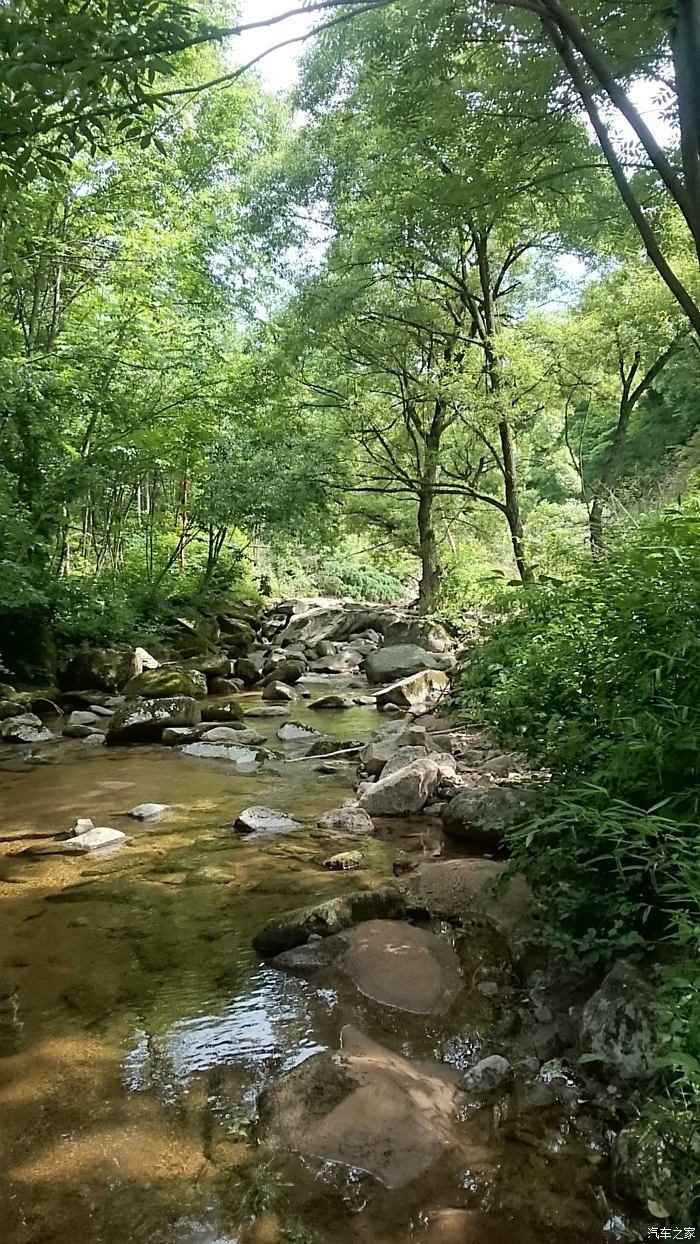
[
  {"x": 296, "y": 731},
  {"x": 260, "y": 820},
  {"x": 148, "y": 811},
  {"x": 174, "y": 736},
  {"x": 222, "y": 751},
  {"x": 81, "y": 717},
  {"x": 460, "y": 889},
  {"x": 348, "y": 820},
  {"x": 401, "y": 966},
  {"x": 365, "y": 1108},
  {"x": 224, "y": 734},
  {"x": 332, "y": 701}
]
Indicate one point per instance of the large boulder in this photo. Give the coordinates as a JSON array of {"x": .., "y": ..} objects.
[
  {"x": 165, "y": 682},
  {"x": 351, "y": 819},
  {"x": 238, "y": 635},
  {"x": 286, "y": 670},
  {"x": 647, "y": 1166},
  {"x": 367, "y": 1108},
  {"x": 143, "y": 721},
  {"x": 222, "y": 711},
  {"x": 388, "y": 741},
  {"x": 104, "y": 669},
  {"x": 403, "y": 660},
  {"x": 278, "y": 691},
  {"x": 407, "y": 790},
  {"x": 418, "y": 689},
  {"x": 482, "y": 815},
  {"x": 296, "y": 927},
  {"x": 212, "y": 664},
  {"x": 428, "y": 635},
  {"x": 11, "y": 708},
  {"x": 26, "y": 728},
  {"x": 618, "y": 1024},
  {"x": 247, "y": 671}
]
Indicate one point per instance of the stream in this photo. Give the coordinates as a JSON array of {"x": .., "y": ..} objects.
[{"x": 138, "y": 1026}]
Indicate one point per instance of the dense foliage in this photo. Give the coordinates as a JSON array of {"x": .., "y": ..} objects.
[
  {"x": 426, "y": 329},
  {"x": 599, "y": 678}
]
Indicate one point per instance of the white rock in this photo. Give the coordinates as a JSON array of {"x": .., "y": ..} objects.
[
  {"x": 258, "y": 819},
  {"x": 148, "y": 811},
  {"x": 349, "y": 820},
  {"x": 98, "y": 836},
  {"x": 222, "y": 751},
  {"x": 144, "y": 660},
  {"x": 292, "y": 731}
]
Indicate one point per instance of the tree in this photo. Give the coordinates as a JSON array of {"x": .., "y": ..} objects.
[{"x": 609, "y": 352}]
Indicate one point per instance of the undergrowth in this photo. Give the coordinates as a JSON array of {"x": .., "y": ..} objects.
[{"x": 598, "y": 677}]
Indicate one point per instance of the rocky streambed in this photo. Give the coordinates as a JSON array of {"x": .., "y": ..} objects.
[{"x": 284, "y": 1002}]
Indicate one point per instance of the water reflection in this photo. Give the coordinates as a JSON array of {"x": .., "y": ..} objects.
[{"x": 269, "y": 1025}]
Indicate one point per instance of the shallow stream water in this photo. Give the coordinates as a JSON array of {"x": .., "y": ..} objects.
[{"x": 137, "y": 1025}]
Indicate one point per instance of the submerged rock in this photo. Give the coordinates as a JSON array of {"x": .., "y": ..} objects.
[
  {"x": 260, "y": 820},
  {"x": 487, "y": 1075},
  {"x": 266, "y": 710},
  {"x": 295, "y": 927},
  {"x": 401, "y": 966},
  {"x": 618, "y": 1023},
  {"x": 344, "y": 861},
  {"x": 366, "y": 1108},
  {"x": 351, "y": 819}
]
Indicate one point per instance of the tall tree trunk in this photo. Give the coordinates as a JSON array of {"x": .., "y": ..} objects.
[
  {"x": 430, "y": 569},
  {"x": 513, "y": 511}
]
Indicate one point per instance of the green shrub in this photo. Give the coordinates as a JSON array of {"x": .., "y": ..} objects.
[{"x": 599, "y": 677}]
